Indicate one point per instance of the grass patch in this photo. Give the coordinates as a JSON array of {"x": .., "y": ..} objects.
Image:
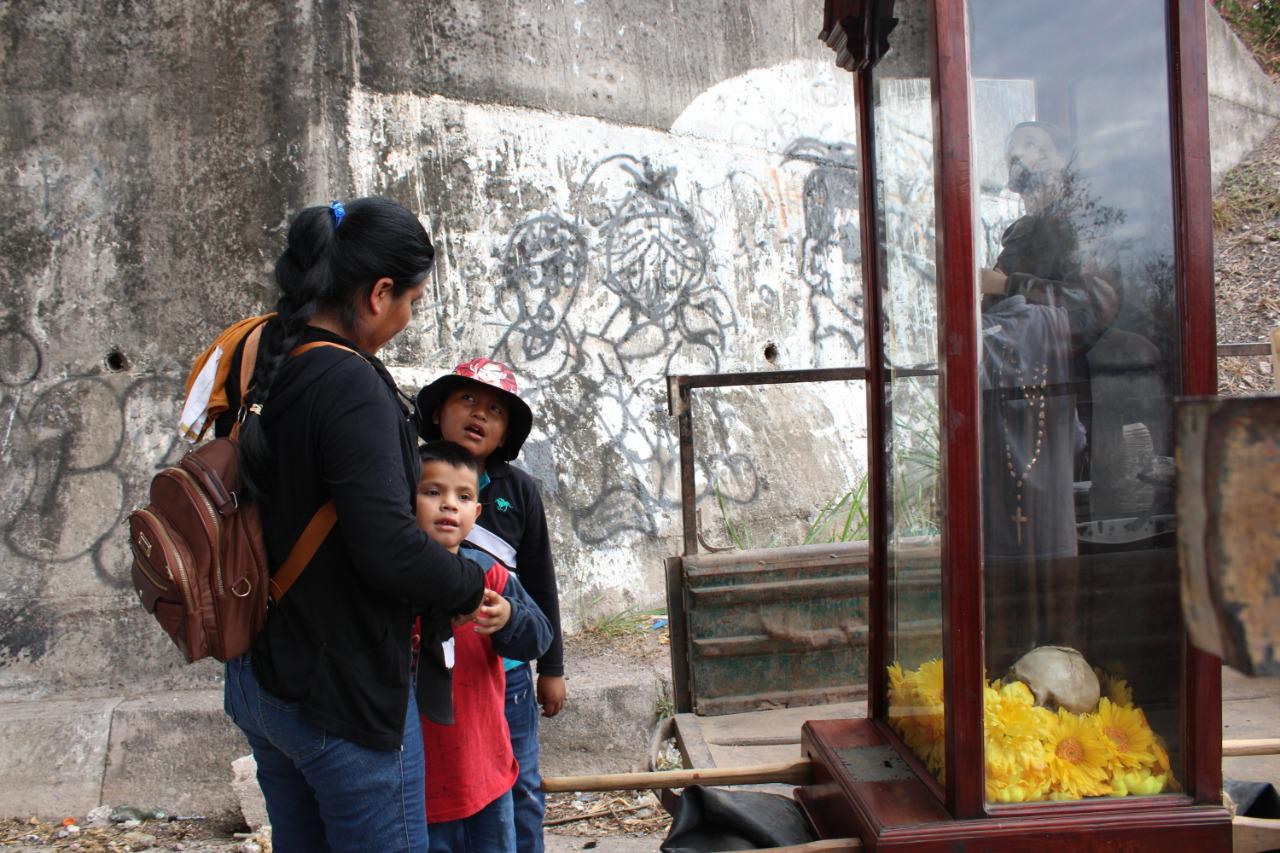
[
  {"x": 624, "y": 623},
  {"x": 1249, "y": 193}
]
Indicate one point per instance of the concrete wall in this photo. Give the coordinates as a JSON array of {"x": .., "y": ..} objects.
[{"x": 617, "y": 193}]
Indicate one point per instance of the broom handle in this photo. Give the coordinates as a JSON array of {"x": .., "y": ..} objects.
[{"x": 796, "y": 772}]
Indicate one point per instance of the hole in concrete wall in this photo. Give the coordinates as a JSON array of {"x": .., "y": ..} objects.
[
  {"x": 771, "y": 352},
  {"x": 116, "y": 361}
]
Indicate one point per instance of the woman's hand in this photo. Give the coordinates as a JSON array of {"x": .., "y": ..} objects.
[
  {"x": 551, "y": 693},
  {"x": 494, "y": 612}
]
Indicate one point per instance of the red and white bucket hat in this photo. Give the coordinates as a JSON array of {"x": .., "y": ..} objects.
[{"x": 482, "y": 371}]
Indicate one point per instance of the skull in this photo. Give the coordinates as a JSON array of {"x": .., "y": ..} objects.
[{"x": 1059, "y": 677}]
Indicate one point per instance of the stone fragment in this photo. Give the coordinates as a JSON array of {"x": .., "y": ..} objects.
[{"x": 244, "y": 784}]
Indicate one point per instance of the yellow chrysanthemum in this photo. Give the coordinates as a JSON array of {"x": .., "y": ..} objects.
[
  {"x": 1012, "y": 728},
  {"x": 1026, "y": 786},
  {"x": 1162, "y": 766},
  {"x": 916, "y": 711},
  {"x": 929, "y": 682},
  {"x": 1127, "y": 734},
  {"x": 1077, "y": 753},
  {"x": 1118, "y": 691},
  {"x": 896, "y": 682},
  {"x": 1136, "y": 783}
]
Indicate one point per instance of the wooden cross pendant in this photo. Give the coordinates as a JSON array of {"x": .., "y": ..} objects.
[{"x": 1019, "y": 519}]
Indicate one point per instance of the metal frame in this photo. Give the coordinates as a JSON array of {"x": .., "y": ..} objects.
[{"x": 680, "y": 407}]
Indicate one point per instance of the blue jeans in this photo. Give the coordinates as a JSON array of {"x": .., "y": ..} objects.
[
  {"x": 527, "y": 797},
  {"x": 490, "y": 830},
  {"x": 323, "y": 792}
]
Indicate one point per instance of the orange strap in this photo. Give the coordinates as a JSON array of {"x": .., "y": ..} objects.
[
  {"x": 303, "y": 550},
  {"x": 318, "y": 528}
]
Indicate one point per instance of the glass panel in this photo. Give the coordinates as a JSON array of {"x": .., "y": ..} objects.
[
  {"x": 1075, "y": 249},
  {"x": 905, "y": 213}
]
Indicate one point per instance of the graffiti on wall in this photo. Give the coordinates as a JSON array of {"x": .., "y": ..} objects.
[
  {"x": 601, "y": 300},
  {"x": 643, "y": 252},
  {"x": 75, "y": 454}
]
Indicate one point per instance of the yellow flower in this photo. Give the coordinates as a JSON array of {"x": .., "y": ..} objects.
[
  {"x": 1025, "y": 787},
  {"x": 929, "y": 682},
  {"x": 1127, "y": 734},
  {"x": 916, "y": 711},
  {"x": 1162, "y": 764},
  {"x": 895, "y": 680},
  {"x": 1136, "y": 783},
  {"x": 1118, "y": 691},
  {"x": 1077, "y": 753},
  {"x": 1012, "y": 728}
]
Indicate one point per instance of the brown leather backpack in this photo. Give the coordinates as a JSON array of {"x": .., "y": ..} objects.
[{"x": 200, "y": 564}]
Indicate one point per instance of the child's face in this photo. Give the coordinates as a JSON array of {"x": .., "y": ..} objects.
[
  {"x": 447, "y": 503},
  {"x": 474, "y": 416}
]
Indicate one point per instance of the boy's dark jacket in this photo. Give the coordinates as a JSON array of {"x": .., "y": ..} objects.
[
  {"x": 526, "y": 635},
  {"x": 338, "y": 643},
  {"x": 513, "y": 513}
]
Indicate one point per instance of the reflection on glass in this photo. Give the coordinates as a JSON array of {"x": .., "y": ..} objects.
[
  {"x": 1074, "y": 245},
  {"x": 904, "y": 195}
]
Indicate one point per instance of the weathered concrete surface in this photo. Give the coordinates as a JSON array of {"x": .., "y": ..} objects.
[
  {"x": 612, "y": 707},
  {"x": 635, "y": 63},
  {"x": 173, "y": 750},
  {"x": 1244, "y": 104},
  {"x": 53, "y": 754}
]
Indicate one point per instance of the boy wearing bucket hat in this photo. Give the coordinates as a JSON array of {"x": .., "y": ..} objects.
[{"x": 478, "y": 407}]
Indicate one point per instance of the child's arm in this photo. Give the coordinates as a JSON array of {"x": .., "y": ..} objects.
[{"x": 527, "y": 633}]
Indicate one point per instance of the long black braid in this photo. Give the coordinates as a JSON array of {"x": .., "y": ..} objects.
[{"x": 335, "y": 254}]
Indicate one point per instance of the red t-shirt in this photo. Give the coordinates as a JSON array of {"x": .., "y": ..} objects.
[{"x": 470, "y": 764}]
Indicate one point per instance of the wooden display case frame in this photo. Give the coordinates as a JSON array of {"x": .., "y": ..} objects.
[{"x": 867, "y": 782}]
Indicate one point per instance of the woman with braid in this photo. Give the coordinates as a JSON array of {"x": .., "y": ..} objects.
[{"x": 324, "y": 694}]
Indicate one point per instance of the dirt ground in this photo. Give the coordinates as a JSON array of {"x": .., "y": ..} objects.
[{"x": 1247, "y": 265}]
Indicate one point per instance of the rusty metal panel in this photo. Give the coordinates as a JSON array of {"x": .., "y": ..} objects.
[
  {"x": 1228, "y": 465},
  {"x": 775, "y": 628}
]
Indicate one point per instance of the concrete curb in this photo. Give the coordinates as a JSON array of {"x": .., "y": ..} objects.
[{"x": 174, "y": 750}]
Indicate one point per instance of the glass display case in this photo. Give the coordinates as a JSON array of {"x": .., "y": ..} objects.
[{"x": 1037, "y": 259}]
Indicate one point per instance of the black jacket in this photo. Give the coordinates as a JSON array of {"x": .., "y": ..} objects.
[
  {"x": 513, "y": 530},
  {"x": 338, "y": 643}
]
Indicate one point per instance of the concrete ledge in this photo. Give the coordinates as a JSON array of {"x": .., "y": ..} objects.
[
  {"x": 173, "y": 751},
  {"x": 53, "y": 754},
  {"x": 611, "y": 709}
]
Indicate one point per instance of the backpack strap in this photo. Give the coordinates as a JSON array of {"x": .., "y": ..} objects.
[
  {"x": 320, "y": 525},
  {"x": 303, "y": 550}
]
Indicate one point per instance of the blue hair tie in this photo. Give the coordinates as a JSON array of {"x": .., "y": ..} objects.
[{"x": 338, "y": 212}]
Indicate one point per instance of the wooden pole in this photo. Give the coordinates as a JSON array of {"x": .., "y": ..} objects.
[
  {"x": 1261, "y": 746},
  {"x": 828, "y": 845},
  {"x": 798, "y": 772},
  {"x": 1275, "y": 357}
]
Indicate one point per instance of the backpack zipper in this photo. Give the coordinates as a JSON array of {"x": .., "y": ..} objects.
[
  {"x": 177, "y": 559},
  {"x": 217, "y": 528},
  {"x": 150, "y": 575}
]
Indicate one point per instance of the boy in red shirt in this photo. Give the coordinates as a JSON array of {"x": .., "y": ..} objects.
[{"x": 470, "y": 765}]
